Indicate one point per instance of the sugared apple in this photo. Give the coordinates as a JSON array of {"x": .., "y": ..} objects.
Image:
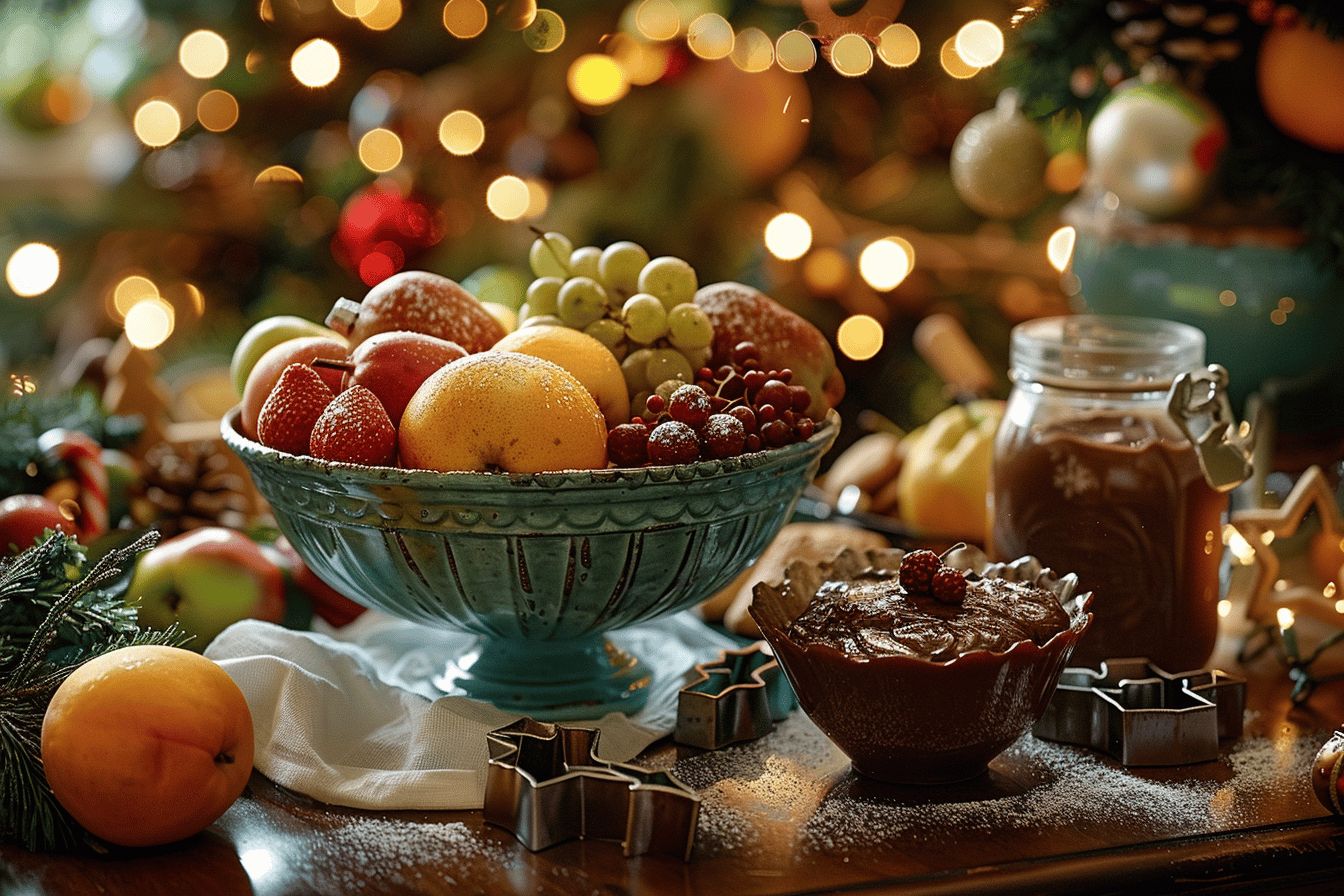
[
  {"x": 742, "y": 314},
  {"x": 205, "y": 581},
  {"x": 505, "y": 411},
  {"x": 24, "y": 517},
  {"x": 265, "y": 335},
  {"x": 266, "y": 372},
  {"x": 392, "y": 366},
  {"x": 423, "y": 303}
]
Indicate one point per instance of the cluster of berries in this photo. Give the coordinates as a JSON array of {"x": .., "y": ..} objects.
[
  {"x": 923, "y": 572},
  {"x": 735, "y": 409}
]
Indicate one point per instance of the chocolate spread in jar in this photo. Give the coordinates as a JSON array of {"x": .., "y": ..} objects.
[{"x": 1121, "y": 501}]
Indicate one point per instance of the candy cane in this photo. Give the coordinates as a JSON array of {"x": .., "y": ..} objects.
[{"x": 84, "y": 458}]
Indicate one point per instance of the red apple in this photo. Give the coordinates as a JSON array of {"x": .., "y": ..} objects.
[
  {"x": 392, "y": 366},
  {"x": 24, "y": 517},
  {"x": 328, "y": 603},
  {"x": 205, "y": 581}
]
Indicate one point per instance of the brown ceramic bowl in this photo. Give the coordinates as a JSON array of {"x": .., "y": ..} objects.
[{"x": 915, "y": 721}]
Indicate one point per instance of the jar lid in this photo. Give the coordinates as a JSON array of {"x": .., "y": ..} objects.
[{"x": 1104, "y": 352}]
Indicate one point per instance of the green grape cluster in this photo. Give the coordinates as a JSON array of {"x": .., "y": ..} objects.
[{"x": 639, "y": 308}]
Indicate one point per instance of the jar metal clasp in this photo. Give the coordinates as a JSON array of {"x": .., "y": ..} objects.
[{"x": 1199, "y": 404}]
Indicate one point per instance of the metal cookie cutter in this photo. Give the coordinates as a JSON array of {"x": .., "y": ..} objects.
[
  {"x": 738, "y": 696},
  {"x": 1143, "y": 715},
  {"x": 546, "y": 784}
]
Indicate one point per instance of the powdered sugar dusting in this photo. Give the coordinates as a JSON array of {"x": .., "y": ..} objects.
[{"x": 795, "y": 777}]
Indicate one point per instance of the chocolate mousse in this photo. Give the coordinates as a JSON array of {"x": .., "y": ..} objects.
[{"x": 873, "y": 615}]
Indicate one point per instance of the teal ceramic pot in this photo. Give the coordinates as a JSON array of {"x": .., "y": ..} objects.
[
  {"x": 538, "y": 566},
  {"x": 1269, "y": 312}
]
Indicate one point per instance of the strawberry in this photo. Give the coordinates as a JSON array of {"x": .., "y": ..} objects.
[
  {"x": 296, "y": 402},
  {"x": 949, "y": 586},
  {"x": 917, "y": 569},
  {"x": 355, "y": 429}
]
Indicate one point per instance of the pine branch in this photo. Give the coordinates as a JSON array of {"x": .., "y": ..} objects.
[{"x": 49, "y": 579}]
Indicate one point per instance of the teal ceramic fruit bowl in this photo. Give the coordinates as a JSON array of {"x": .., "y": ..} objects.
[
  {"x": 1237, "y": 294},
  {"x": 538, "y": 566}
]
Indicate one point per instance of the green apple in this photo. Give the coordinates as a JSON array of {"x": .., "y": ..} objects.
[
  {"x": 205, "y": 581},
  {"x": 267, "y": 334}
]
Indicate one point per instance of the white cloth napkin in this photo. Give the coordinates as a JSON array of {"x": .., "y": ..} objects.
[{"x": 351, "y": 717}]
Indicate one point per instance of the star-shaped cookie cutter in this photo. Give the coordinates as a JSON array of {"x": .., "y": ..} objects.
[
  {"x": 1142, "y": 715},
  {"x": 546, "y": 784},
  {"x": 736, "y": 697},
  {"x": 1260, "y": 528}
]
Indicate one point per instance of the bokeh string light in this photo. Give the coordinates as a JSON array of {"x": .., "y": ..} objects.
[
  {"x": 898, "y": 45},
  {"x": 315, "y": 63},
  {"x": 979, "y": 43},
  {"x": 1059, "y": 247},
  {"x": 149, "y": 323},
  {"x": 157, "y": 123},
  {"x": 465, "y": 19},
  {"x": 788, "y": 236},
  {"x": 860, "y": 337},
  {"x": 380, "y": 150},
  {"x": 203, "y": 54},
  {"x": 852, "y": 55},
  {"x": 710, "y": 37},
  {"x": 595, "y": 79},
  {"x": 461, "y": 132},
  {"x": 508, "y": 197},
  {"x": 32, "y": 270},
  {"x": 217, "y": 110},
  {"x": 884, "y": 264}
]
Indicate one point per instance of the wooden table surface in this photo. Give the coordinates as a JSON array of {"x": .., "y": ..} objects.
[{"x": 785, "y": 815}]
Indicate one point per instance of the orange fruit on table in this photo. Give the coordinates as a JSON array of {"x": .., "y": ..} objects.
[
  {"x": 147, "y": 745},
  {"x": 591, "y": 362},
  {"x": 505, "y": 411}
]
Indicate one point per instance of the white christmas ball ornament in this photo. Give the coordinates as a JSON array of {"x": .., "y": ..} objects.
[
  {"x": 998, "y": 161},
  {"x": 1155, "y": 146}
]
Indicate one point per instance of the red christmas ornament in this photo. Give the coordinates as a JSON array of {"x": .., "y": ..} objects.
[{"x": 380, "y": 231}]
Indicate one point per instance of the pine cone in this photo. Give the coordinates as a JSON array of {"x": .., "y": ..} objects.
[
  {"x": 188, "y": 486},
  {"x": 1189, "y": 36}
]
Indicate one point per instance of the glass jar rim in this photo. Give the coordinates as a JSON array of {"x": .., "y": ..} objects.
[{"x": 1102, "y": 352}]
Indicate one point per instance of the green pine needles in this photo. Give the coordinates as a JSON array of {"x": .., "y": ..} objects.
[{"x": 54, "y": 616}]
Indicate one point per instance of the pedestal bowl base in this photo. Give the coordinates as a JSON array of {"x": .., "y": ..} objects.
[{"x": 554, "y": 681}]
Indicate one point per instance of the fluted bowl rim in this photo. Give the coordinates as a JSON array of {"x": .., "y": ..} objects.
[{"x": 610, "y": 478}]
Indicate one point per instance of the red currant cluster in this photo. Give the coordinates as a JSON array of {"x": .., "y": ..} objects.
[
  {"x": 726, "y": 412},
  {"x": 923, "y": 572}
]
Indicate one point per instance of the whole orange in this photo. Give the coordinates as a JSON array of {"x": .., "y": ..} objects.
[
  {"x": 505, "y": 411},
  {"x": 591, "y": 362},
  {"x": 147, "y": 745},
  {"x": 1301, "y": 73}
]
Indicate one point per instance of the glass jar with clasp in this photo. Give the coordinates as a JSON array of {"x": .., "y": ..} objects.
[{"x": 1113, "y": 461}]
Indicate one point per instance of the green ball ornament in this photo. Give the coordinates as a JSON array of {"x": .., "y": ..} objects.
[
  {"x": 998, "y": 161},
  {"x": 1155, "y": 145}
]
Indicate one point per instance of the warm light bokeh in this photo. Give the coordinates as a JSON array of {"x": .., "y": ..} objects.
[
  {"x": 315, "y": 63},
  {"x": 32, "y": 270}
]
